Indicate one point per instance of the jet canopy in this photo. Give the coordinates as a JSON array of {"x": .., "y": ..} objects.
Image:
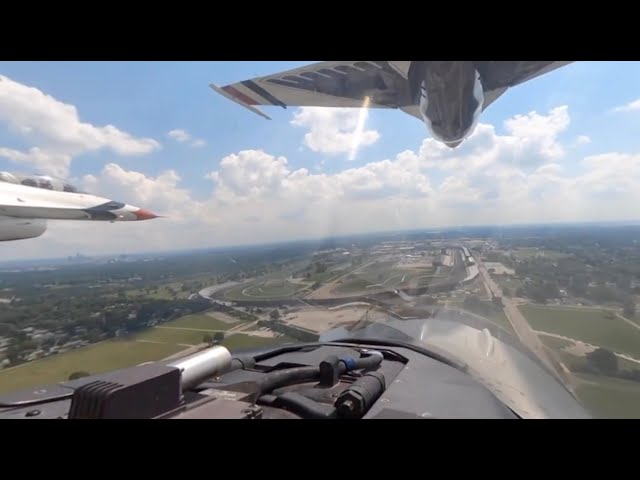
[{"x": 46, "y": 182}]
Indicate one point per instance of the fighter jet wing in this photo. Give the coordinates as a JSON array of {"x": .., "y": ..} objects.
[
  {"x": 21, "y": 201},
  {"x": 325, "y": 84},
  {"x": 498, "y": 76},
  {"x": 16, "y": 201},
  {"x": 27, "y": 207}
]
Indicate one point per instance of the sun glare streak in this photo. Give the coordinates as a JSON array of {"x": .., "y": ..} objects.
[{"x": 362, "y": 119}]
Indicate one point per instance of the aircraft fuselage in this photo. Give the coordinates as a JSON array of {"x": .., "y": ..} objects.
[
  {"x": 450, "y": 97},
  {"x": 26, "y": 204}
]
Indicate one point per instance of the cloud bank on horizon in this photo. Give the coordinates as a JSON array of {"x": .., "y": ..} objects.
[{"x": 542, "y": 165}]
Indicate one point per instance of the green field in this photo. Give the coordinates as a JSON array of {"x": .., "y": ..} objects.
[
  {"x": 235, "y": 293},
  {"x": 151, "y": 344},
  {"x": 277, "y": 285},
  {"x": 575, "y": 363},
  {"x": 382, "y": 276},
  {"x": 609, "y": 397},
  {"x": 324, "y": 276},
  {"x": 100, "y": 357},
  {"x": 384, "y": 273},
  {"x": 120, "y": 353},
  {"x": 187, "y": 330},
  {"x": 588, "y": 325},
  {"x": 241, "y": 341},
  {"x": 114, "y": 354},
  {"x": 375, "y": 273},
  {"x": 486, "y": 310},
  {"x": 556, "y": 349},
  {"x": 352, "y": 284},
  {"x": 554, "y": 343},
  {"x": 201, "y": 321},
  {"x": 427, "y": 279},
  {"x": 501, "y": 319},
  {"x": 171, "y": 336},
  {"x": 374, "y": 269},
  {"x": 624, "y": 364},
  {"x": 272, "y": 285},
  {"x": 633, "y": 319},
  {"x": 275, "y": 288}
]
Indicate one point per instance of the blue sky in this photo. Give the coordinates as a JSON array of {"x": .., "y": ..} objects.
[{"x": 515, "y": 161}]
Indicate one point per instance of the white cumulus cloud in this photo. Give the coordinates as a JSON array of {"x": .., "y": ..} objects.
[
  {"x": 57, "y": 130},
  {"x": 632, "y": 106},
  {"x": 335, "y": 130},
  {"x": 44, "y": 161},
  {"x": 183, "y": 136},
  {"x": 583, "y": 140},
  {"x": 532, "y": 139},
  {"x": 161, "y": 194},
  {"x": 520, "y": 176},
  {"x": 179, "y": 135}
]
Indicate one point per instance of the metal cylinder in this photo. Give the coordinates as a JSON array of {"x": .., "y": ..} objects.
[{"x": 202, "y": 365}]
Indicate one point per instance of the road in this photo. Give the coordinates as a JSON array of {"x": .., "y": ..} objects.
[
  {"x": 209, "y": 291},
  {"x": 520, "y": 325},
  {"x": 628, "y": 321}
]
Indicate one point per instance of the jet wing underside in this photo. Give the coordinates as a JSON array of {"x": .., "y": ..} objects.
[
  {"x": 346, "y": 84},
  {"x": 325, "y": 84},
  {"x": 498, "y": 76}
]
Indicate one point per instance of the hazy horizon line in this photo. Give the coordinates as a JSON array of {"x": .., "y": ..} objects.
[{"x": 335, "y": 237}]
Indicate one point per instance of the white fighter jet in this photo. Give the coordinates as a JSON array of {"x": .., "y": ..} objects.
[
  {"x": 448, "y": 96},
  {"x": 28, "y": 201}
]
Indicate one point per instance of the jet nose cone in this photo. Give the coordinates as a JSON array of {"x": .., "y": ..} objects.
[
  {"x": 142, "y": 214},
  {"x": 453, "y": 144}
]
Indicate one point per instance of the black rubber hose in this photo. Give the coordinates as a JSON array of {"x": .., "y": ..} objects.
[
  {"x": 299, "y": 404},
  {"x": 303, "y": 406},
  {"x": 243, "y": 362},
  {"x": 267, "y": 399},
  {"x": 276, "y": 379},
  {"x": 372, "y": 360},
  {"x": 288, "y": 376}
]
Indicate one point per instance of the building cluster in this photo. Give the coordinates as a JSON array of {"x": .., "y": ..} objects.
[{"x": 48, "y": 343}]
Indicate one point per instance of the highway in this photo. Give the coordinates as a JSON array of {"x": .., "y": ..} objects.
[{"x": 522, "y": 328}]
